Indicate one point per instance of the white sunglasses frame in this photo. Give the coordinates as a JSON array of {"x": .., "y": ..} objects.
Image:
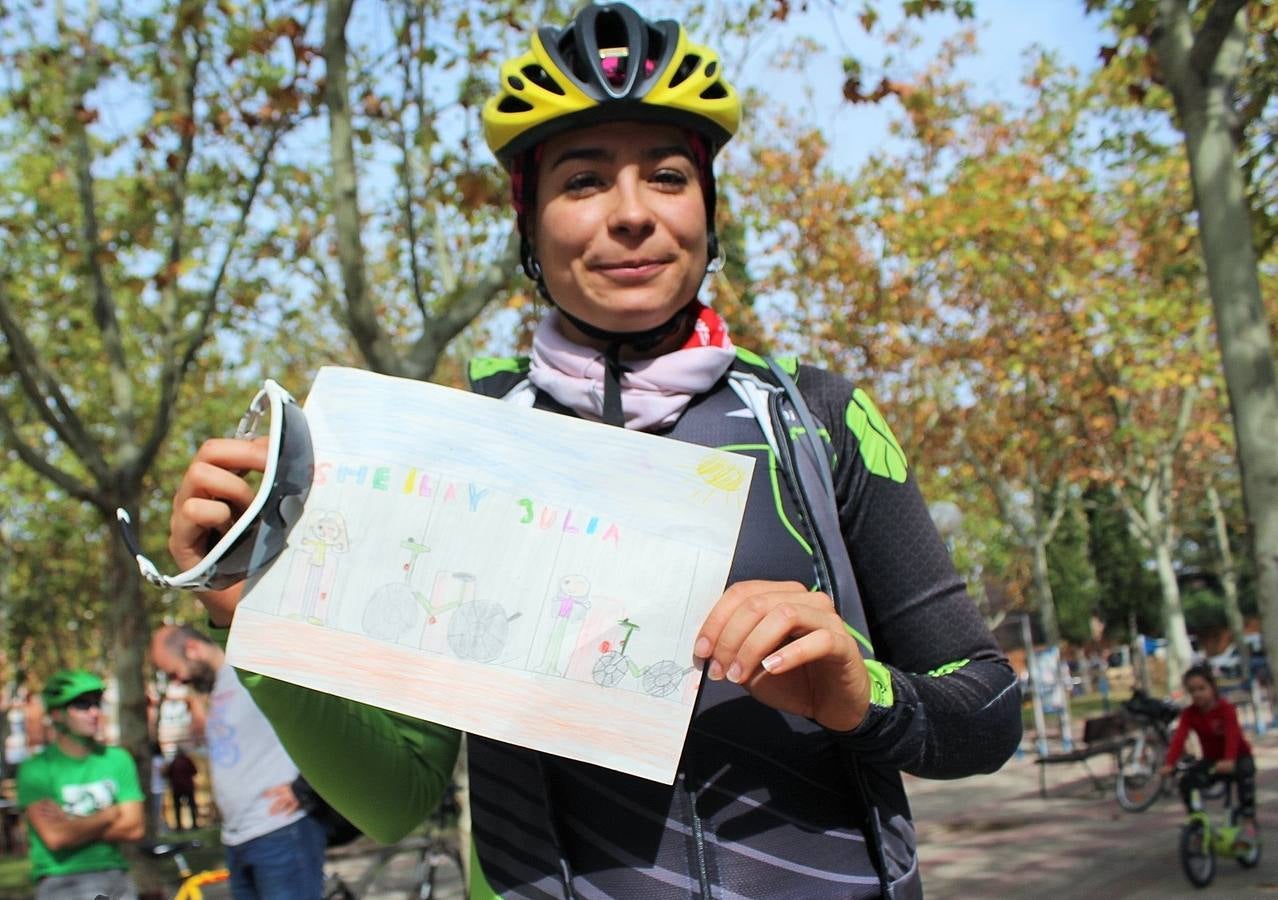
[{"x": 204, "y": 574}]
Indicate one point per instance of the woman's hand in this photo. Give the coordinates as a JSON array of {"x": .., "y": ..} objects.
[
  {"x": 1225, "y": 766},
  {"x": 210, "y": 498},
  {"x": 788, "y": 647}
]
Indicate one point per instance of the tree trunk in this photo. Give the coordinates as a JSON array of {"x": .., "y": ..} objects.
[
  {"x": 1162, "y": 537},
  {"x": 1178, "y": 649},
  {"x": 1203, "y": 104},
  {"x": 1229, "y": 580},
  {"x": 129, "y": 638},
  {"x": 1043, "y": 596}
]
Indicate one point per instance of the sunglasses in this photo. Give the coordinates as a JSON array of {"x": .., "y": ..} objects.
[
  {"x": 258, "y": 536},
  {"x": 86, "y": 702}
]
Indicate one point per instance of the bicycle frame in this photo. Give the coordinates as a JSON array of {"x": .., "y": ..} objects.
[
  {"x": 1203, "y": 839},
  {"x": 1221, "y": 837}
]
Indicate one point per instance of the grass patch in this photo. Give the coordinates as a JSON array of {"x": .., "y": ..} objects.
[
  {"x": 15, "y": 878},
  {"x": 1080, "y": 708},
  {"x": 150, "y": 874},
  {"x": 162, "y": 874}
]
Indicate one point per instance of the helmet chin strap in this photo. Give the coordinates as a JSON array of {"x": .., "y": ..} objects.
[
  {"x": 615, "y": 340},
  {"x": 63, "y": 731}
]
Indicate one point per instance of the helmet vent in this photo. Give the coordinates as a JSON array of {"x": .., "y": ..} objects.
[
  {"x": 537, "y": 75},
  {"x": 511, "y": 104},
  {"x": 686, "y": 68},
  {"x": 714, "y": 92},
  {"x": 610, "y": 30}
]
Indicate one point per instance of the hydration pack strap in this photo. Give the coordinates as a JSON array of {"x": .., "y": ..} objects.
[
  {"x": 814, "y": 481},
  {"x": 805, "y": 456}
]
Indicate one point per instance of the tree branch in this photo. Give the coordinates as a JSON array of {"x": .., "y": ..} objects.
[
  {"x": 46, "y": 395},
  {"x": 1172, "y": 39},
  {"x": 461, "y": 308},
  {"x": 177, "y": 195},
  {"x": 1222, "y": 18},
  {"x": 362, "y": 319},
  {"x": 173, "y": 377},
  {"x": 36, "y": 461},
  {"x": 411, "y": 98}
]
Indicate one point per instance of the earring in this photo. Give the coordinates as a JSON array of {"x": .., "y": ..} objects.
[
  {"x": 715, "y": 265},
  {"x": 534, "y": 269}
]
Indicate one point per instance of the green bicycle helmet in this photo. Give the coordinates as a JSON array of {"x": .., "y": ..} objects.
[{"x": 64, "y": 686}]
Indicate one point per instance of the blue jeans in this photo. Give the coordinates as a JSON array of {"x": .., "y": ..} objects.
[{"x": 285, "y": 864}]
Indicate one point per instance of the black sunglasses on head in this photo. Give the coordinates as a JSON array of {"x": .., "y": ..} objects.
[{"x": 257, "y": 537}]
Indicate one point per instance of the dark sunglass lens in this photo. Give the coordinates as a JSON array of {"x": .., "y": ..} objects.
[
  {"x": 88, "y": 701},
  {"x": 264, "y": 540}
]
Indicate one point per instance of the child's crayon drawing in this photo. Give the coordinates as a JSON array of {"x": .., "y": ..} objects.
[{"x": 500, "y": 570}]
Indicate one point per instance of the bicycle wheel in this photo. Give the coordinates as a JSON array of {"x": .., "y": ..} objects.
[
  {"x": 1138, "y": 783},
  {"x": 1247, "y": 848},
  {"x": 1196, "y": 857}
]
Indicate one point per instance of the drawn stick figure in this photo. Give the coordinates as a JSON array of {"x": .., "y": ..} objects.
[
  {"x": 574, "y": 595},
  {"x": 315, "y": 568}
]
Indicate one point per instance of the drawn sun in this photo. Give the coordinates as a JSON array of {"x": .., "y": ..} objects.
[{"x": 720, "y": 478}]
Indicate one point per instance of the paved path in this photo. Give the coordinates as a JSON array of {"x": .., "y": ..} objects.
[
  {"x": 994, "y": 836},
  {"x": 382, "y": 873}
]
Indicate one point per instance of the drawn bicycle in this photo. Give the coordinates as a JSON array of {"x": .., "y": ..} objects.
[
  {"x": 659, "y": 679},
  {"x": 477, "y": 629}
]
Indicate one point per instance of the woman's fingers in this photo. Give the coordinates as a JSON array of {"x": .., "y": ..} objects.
[
  {"x": 211, "y": 495},
  {"x": 743, "y": 592},
  {"x": 753, "y": 619},
  {"x": 793, "y": 631}
]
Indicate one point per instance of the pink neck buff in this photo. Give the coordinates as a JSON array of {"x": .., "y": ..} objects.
[{"x": 654, "y": 392}]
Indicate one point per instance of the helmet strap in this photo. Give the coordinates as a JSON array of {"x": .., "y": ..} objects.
[
  {"x": 60, "y": 726},
  {"x": 613, "y": 370}
]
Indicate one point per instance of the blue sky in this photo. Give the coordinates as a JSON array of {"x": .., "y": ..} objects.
[{"x": 1006, "y": 31}]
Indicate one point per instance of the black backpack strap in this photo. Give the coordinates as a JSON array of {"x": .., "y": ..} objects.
[{"x": 815, "y": 483}]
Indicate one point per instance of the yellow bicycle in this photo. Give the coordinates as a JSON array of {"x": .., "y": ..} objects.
[
  {"x": 193, "y": 883},
  {"x": 214, "y": 884}
]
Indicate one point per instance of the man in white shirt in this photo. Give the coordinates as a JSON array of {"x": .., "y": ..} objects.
[{"x": 273, "y": 848}]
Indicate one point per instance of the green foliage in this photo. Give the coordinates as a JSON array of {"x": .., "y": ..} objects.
[
  {"x": 15, "y": 878},
  {"x": 1074, "y": 586},
  {"x": 1204, "y": 610},
  {"x": 1127, "y": 586}
]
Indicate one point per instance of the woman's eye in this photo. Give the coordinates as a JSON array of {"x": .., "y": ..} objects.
[
  {"x": 582, "y": 181},
  {"x": 670, "y": 177}
]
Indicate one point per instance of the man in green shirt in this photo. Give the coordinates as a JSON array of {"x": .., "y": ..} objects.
[{"x": 81, "y": 799}]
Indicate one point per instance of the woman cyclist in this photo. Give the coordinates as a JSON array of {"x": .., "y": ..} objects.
[
  {"x": 1225, "y": 750},
  {"x": 790, "y": 783}
]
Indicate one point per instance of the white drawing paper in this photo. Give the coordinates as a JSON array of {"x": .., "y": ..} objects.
[{"x": 509, "y": 572}]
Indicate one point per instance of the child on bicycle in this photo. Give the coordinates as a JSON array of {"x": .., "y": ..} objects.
[{"x": 1225, "y": 750}]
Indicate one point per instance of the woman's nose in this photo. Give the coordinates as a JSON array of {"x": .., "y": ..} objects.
[{"x": 630, "y": 213}]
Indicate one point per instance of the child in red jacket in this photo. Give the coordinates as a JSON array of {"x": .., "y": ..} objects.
[{"x": 1225, "y": 751}]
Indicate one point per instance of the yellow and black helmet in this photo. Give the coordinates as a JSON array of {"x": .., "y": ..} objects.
[{"x": 609, "y": 64}]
